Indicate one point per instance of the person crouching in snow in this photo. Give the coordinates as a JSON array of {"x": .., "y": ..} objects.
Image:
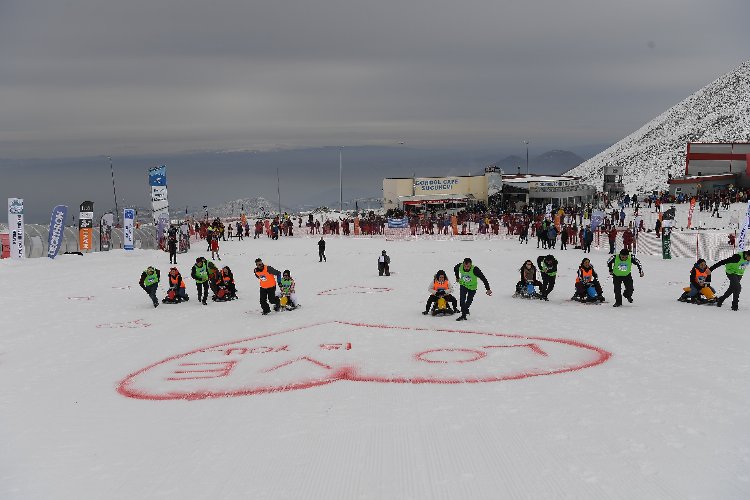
[
  {"x": 286, "y": 290},
  {"x": 224, "y": 287},
  {"x": 150, "y": 283},
  {"x": 440, "y": 287},
  {"x": 176, "y": 292}
]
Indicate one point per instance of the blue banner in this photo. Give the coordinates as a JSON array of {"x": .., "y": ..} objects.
[
  {"x": 597, "y": 218},
  {"x": 398, "y": 223},
  {"x": 56, "y": 230},
  {"x": 157, "y": 176}
]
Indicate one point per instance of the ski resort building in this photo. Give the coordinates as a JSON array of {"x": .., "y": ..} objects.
[
  {"x": 713, "y": 167},
  {"x": 457, "y": 192}
]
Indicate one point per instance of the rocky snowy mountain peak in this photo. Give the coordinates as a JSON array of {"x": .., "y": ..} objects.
[{"x": 719, "y": 112}]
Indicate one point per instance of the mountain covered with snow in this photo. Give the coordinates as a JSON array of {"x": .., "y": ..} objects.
[{"x": 719, "y": 112}]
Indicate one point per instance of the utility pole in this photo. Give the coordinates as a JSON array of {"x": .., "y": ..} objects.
[{"x": 114, "y": 191}]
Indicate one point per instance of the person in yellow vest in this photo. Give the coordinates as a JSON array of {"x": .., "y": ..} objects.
[
  {"x": 201, "y": 273},
  {"x": 440, "y": 287},
  {"x": 267, "y": 277},
  {"x": 620, "y": 268},
  {"x": 150, "y": 283},
  {"x": 735, "y": 268}
]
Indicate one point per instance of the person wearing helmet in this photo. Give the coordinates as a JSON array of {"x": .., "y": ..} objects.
[{"x": 150, "y": 283}]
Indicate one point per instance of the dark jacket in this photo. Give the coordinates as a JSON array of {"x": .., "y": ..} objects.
[
  {"x": 729, "y": 260},
  {"x": 551, "y": 269},
  {"x": 158, "y": 275}
]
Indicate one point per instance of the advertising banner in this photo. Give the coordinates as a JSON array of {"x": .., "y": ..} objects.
[
  {"x": 743, "y": 232},
  {"x": 597, "y": 217},
  {"x": 56, "y": 230},
  {"x": 15, "y": 228},
  {"x": 157, "y": 179},
  {"x": 105, "y": 231},
  {"x": 690, "y": 212},
  {"x": 440, "y": 185},
  {"x": 666, "y": 239},
  {"x": 86, "y": 226},
  {"x": 127, "y": 228},
  {"x": 161, "y": 231},
  {"x": 398, "y": 223}
]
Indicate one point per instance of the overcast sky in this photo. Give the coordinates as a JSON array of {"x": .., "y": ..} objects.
[{"x": 86, "y": 78}]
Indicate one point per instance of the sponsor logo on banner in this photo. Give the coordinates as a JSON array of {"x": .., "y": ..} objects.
[
  {"x": 743, "y": 234},
  {"x": 56, "y": 230},
  {"x": 86, "y": 226},
  {"x": 127, "y": 228},
  {"x": 398, "y": 223},
  {"x": 15, "y": 228},
  {"x": 105, "y": 231},
  {"x": 157, "y": 179}
]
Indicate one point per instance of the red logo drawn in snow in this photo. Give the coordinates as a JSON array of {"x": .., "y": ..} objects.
[
  {"x": 137, "y": 323},
  {"x": 348, "y": 290},
  {"x": 320, "y": 354},
  {"x": 84, "y": 298}
]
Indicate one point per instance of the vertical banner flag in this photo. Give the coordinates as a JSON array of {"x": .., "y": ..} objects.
[
  {"x": 105, "y": 231},
  {"x": 690, "y": 212},
  {"x": 743, "y": 233},
  {"x": 86, "y": 226},
  {"x": 597, "y": 217},
  {"x": 666, "y": 237},
  {"x": 15, "y": 228},
  {"x": 548, "y": 212},
  {"x": 127, "y": 228},
  {"x": 161, "y": 231},
  {"x": 157, "y": 179},
  {"x": 56, "y": 230}
]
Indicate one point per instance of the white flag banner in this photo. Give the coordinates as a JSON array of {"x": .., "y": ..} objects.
[
  {"x": 127, "y": 229},
  {"x": 743, "y": 233},
  {"x": 157, "y": 179},
  {"x": 15, "y": 228}
]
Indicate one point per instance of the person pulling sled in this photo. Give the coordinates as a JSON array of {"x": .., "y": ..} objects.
[{"x": 150, "y": 283}]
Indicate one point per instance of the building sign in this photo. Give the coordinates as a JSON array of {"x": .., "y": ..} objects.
[{"x": 430, "y": 185}]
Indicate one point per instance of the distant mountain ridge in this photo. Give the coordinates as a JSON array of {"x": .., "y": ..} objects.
[
  {"x": 550, "y": 162},
  {"x": 719, "y": 112}
]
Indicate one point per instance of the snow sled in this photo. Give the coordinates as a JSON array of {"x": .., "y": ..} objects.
[
  {"x": 223, "y": 295},
  {"x": 441, "y": 308},
  {"x": 706, "y": 297},
  {"x": 173, "y": 298},
  {"x": 284, "y": 302},
  {"x": 591, "y": 297},
  {"x": 527, "y": 292}
]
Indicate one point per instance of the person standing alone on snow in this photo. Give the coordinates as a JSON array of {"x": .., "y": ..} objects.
[
  {"x": 384, "y": 264},
  {"x": 467, "y": 275},
  {"x": 620, "y": 268},
  {"x": 322, "y": 250}
]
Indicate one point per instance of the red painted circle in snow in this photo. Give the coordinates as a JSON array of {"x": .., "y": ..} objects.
[
  {"x": 355, "y": 289},
  {"x": 424, "y": 356},
  {"x": 340, "y": 351}
]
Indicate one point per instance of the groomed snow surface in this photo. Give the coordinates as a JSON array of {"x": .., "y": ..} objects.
[{"x": 357, "y": 395}]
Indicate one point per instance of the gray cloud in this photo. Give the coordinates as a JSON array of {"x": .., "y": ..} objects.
[{"x": 87, "y": 77}]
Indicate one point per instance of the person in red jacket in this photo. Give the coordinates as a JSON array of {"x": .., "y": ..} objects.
[{"x": 612, "y": 239}]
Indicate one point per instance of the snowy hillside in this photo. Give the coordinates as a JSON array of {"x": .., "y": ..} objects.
[{"x": 719, "y": 112}]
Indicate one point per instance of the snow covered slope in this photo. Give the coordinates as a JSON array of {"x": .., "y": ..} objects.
[{"x": 719, "y": 112}]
